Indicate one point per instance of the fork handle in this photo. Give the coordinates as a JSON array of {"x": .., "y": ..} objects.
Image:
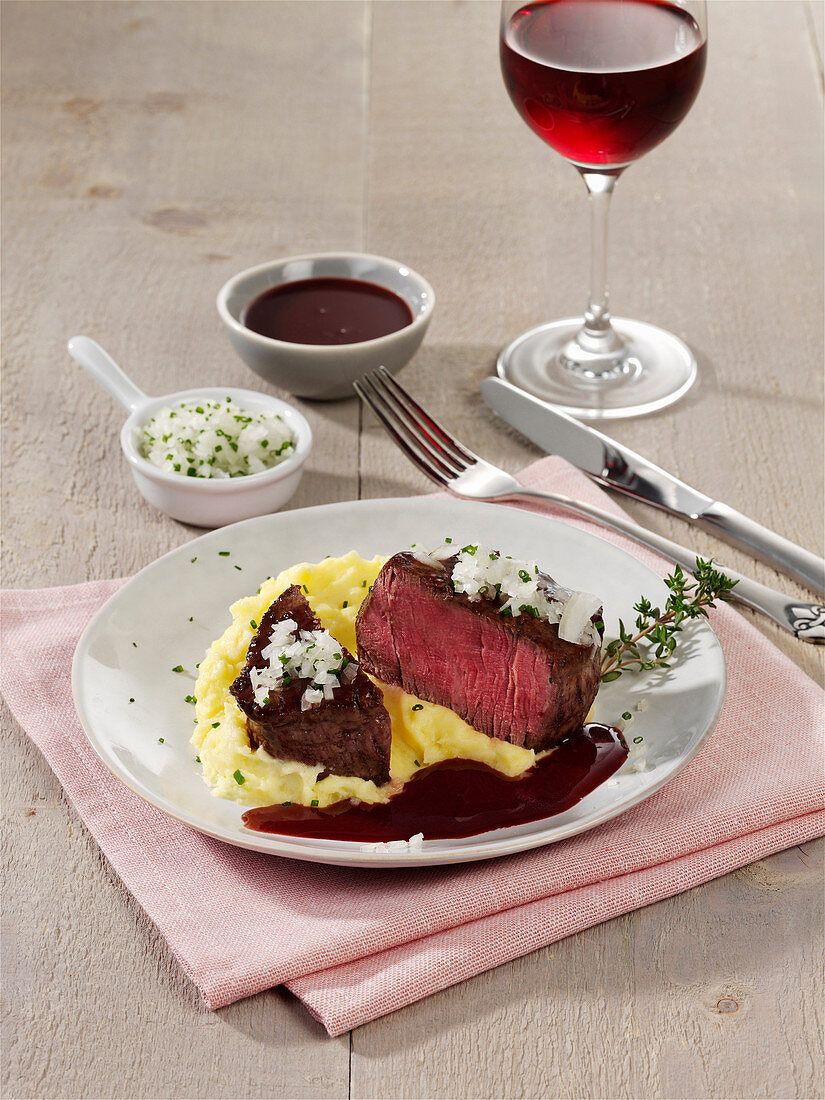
[{"x": 802, "y": 619}]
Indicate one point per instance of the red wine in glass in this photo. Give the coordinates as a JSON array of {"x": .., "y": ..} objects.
[{"x": 602, "y": 82}]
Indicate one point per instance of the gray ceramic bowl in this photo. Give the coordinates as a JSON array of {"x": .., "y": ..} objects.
[{"x": 325, "y": 371}]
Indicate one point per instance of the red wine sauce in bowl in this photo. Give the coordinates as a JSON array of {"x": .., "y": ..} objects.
[
  {"x": 602, "y": 81},
  {"x": 460, "y": 798},
  {"x": 326, "y": 311}
]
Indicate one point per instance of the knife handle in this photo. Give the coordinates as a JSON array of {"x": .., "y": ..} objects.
[
  {"x": 804, "y": 620},
  {"x": 766, "y": 545}
]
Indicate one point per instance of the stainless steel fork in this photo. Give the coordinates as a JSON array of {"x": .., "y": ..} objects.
[{"x": 454, "y": 467}]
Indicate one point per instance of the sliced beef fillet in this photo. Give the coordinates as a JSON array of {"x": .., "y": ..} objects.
[
  {"x": 508, "y": 677},
  {"x": 348, "y": 734}
]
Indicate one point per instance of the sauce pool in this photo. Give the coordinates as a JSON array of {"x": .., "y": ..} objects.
[
  {"x": 460, "y": 798},
  {"x": 326, "y": 311}
]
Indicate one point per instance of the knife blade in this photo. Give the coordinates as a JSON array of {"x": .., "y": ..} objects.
[{"x": 619, "y": 468}]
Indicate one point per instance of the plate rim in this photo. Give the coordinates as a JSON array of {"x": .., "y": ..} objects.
[{"x": 353, "y": 853}]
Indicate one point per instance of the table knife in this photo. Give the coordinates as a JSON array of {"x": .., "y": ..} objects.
[{"x": 619, "y": 468}]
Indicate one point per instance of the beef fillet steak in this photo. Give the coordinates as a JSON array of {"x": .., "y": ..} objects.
[
  {"x": 508, "y": 677},
  {"x": 348, "y": 734}
]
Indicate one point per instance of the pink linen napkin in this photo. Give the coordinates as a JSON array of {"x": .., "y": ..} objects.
[{"x": 355, "y": 944}]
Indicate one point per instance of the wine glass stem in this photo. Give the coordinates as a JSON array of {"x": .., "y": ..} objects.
[
  {"x": 597, "y": 354},
  {"x": 599, "y": 189}
]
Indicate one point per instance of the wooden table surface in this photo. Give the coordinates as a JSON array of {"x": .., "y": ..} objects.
[{"x": 151, "y": 150}]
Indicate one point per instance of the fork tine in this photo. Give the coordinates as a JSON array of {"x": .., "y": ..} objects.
[
  {"x": 407, "y": 425},
  {"x": 424, "y": 465},
  {"x": 428, "y": 423}
]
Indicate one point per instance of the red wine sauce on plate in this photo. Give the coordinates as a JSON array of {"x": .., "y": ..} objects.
[
  {"x": 326, "y": 311},
  {"x": 460, "y": 798}
]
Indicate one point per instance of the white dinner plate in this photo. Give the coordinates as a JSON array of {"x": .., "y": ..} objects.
[{"x": 133, "y": 706}]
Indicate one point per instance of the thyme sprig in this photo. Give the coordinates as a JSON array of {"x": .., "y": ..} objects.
[{"x": 655, "y": 638}]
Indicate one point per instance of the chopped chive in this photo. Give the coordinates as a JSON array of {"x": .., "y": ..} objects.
[
  {"x": 314, "y": 802},
  {"x": 197, "y": 760},
  {"x": 178, "y": 668},
  {"x": 239, "y": 777},
  {"x": 190, "y": 699},
  {"x": 286, "y": 803},
  {"x": 191, "y": 618},
  {"x": 638, "y": 740},
  {"x": 160, "y": 740},
  {"x": 193, "y": 560},
  {"x": 253, "y": 624},
  {"x": 132, "y": 699},
  {"x": 215, "y": 725},
  {"x": 416, "y": 763},
  {"x": 345, "y": 603},
  {"x": 134, "y": 645},
  {"x": 363, "y": 584},
  {"x": 305, "y": 589},
  {"x": 239, "y": 568},
  {"x": 448, "y": 540},
  {"x": 418, "y": 706},
  {"x": 627, "y": 716},
  {"x": 223, "y": 553}
]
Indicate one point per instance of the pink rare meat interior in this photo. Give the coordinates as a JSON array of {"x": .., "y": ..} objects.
[{"x": 509, "y": 677}]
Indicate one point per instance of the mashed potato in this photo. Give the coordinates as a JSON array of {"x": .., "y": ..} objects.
[{"x": 422, "y": 736}]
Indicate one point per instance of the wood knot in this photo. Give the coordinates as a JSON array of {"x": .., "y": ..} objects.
[
  {"x": 103, "y": 191},
  {"x": 173, "y": 220},
  {"x": 727, "y": 1004},
  {"x": 80, "y": 106},
  {"x": 164, "y": 103}
]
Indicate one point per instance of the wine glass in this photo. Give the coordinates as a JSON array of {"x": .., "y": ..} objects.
[{"x": 602, "y": 82}]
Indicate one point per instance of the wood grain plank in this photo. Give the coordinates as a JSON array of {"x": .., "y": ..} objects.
[
  {"x": 717, "y": 237},
  {"x": 95, "y": 1003},
  {"x": 703, "y": 995},
  {"x": 815, "y": 12},
  {"x": 150, "y": 151}
]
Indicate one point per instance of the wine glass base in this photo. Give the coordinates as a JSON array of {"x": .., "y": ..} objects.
[{"x": 657, "y": 369}]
